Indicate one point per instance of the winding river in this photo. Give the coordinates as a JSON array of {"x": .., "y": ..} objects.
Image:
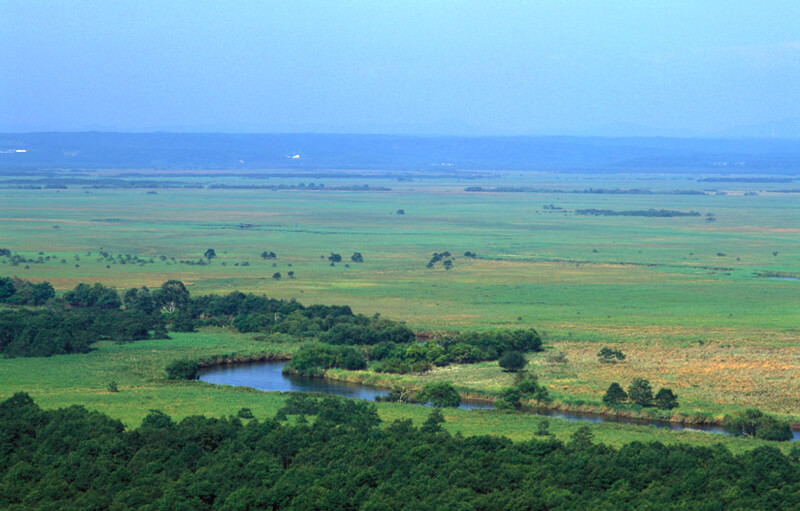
[{"x": 268, "y": 376}]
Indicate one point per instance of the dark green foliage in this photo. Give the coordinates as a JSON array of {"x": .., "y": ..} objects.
[
  {"x": 615, "y": 395},
  {"x": 171, "y": 296},
  {"x": 268, "y": 255},
  {"x": 439, "y": 394},
  {"x": 512, "y": 361},
  {"x": 433, "y": 424},
  {"x": 640, "y": 392},
  {"x": 373, "y": 333},
  {"x": 183, "y": 369},
  {"x": 608, "y": 356},
  {"x": 357, "y": 257},
  {"x": 7, "y": 288},
  {"x": 543, "y": 428},
  {"x": 276, "y": 275},
  {"x": 112, "y": 386},
  {"x": 754, "y": 422},
  {"x": 72, "y": 459},
  {"x": 525, "y": 387},
  {"x": 314, "y": 359},
  {"x": 582, "y": 438},
  {"x": 210, "y": 254},
  {"x": 666, "y": 399},
  {"x": 335, "y": 258},
  {"x": 139, "y": 300},
  {"x": 440, "y": 256},
  {"x": 26, "y": 333},
  {"x": 245, "y": 413},
  {"x": 182, "y": 321},
  {"x": 22, "y": 292},
  {"x": 97, "y": 295}
]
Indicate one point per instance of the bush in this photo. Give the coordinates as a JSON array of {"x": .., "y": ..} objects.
[
  {"x": 313, "y": 360},
  {"x": 440, "y": 395},
  {"x": 666, "y": 399},
  {"x": 183, "y": 369},
  {"x": 608, "y": 356},
  {"x": 754, "y": 422},
  {"x": 615, "y": 395},
  {"x": 512, "y": 361},
  {"x": 640, "y": 392}
]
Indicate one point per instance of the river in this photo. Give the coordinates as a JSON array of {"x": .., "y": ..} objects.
[{"x": 268, "y": 376}]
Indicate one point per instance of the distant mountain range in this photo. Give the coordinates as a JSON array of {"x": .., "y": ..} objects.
[{"x": 91, "y": 150}]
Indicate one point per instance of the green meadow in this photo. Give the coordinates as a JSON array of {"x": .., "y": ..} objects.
[
  {"x": 686, "y": 298},
  {"x": 138, "y": 370}
]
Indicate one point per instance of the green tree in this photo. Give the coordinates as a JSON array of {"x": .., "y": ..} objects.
[
  {"x": 433, "y": 424},
  {"x": 666, "y": 399},
  {"x": 543, "y": 428},
  {"x": 171, "y": 296},
  {"x": 6, "y": 288},
  {"x": 640, "y": 392},
  {"x": 512, "y": 361},
  {"x": 615, "y": 395},
  {"x": 440, "y": 395},
  {"x": 183, "y": 369},
  {"x": 357, "y": 257},
  {"x": 582, "y": 437},
  {"x": 609, "y": 356},
  {"x": 210, "y": 254},
  {"x": 753, "y": 422}
]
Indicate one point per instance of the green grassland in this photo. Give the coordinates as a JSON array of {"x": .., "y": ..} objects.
[
  {"x": 138, "y": 370},
  {"x": 681, "y": 296}
]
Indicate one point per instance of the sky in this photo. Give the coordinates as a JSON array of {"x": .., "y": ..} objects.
[{"x": 441, "y": 67}]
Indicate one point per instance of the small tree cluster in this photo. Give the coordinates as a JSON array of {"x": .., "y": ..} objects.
[
  {"x": 268, "y": 255},
  {"x": 755, "y": 423},
  {"x": 183, "y": 369},
  {"x": 357, "y": 257},
  {"x": 512, "y": 361},
  {"x": 439, "y": 394},
  {"x": 610, "y": 356},
  {"x": 444, "y": 257},
  {"x": 525, "y": 387},
  {"x": 640, "y": 392}
]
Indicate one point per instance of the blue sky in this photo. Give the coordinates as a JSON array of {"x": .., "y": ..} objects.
[{"x": 682, "y": 68}]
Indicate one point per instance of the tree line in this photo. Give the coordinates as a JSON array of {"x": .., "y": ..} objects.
[
  {"x": 329, "y": 453},
  {"x": 88, "y": 313}
]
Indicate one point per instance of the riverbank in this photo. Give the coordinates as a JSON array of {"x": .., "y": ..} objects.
[
  {"x": 138, "y": 370},
  {"x": 363, "y": 385}
]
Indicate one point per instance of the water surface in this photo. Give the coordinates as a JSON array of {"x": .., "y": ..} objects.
[{"x": 268, "y": 376}]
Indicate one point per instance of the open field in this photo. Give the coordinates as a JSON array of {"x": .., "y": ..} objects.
[
  {"x": 138, "y": 369},
  {"x": 681, "y": 296}
]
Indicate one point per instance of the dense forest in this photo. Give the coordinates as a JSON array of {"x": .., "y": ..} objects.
[{"x": 329, "y": 453}]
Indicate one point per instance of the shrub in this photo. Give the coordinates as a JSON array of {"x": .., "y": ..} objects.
[
  {"x": 615, "y": 395},
  {"x": 512, "y": 361},
  {"x": 440, "y": 395},
  {"x": 640, "y": 392},
  {"x": 183, "y": 369},
  {"x": 666, "y": 399}
]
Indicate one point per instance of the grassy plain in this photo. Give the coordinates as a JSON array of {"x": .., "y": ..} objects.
[
  {"x": 138, "y": 370},
  {"x": 681, "y": 296}
]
